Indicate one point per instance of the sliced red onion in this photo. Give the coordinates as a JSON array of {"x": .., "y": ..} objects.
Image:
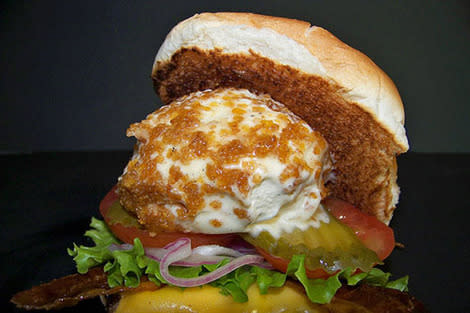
[
  {"x": 155, "y": 253},
  {"x": 177, "y": 251},
  {"x": 208, "y": 254},
  {"x": 181, "y": 249},
  {"x": 193, "y": 260},
  {"x": 216, "y": 250},
  {"x": 125, "y": 246},
  {"x": 266, "y": 265},
  {"x": 243, "y": 247}
]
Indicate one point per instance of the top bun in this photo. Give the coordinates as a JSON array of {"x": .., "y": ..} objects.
[{"x": 336, "y": 89}]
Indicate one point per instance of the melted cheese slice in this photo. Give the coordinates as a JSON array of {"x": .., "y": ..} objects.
[{"x": 207, "y": 299}]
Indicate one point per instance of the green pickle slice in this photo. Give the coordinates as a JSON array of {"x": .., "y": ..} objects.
[
  {"x": 117, "y": 214},
  {"x": 331, "y": 247}
]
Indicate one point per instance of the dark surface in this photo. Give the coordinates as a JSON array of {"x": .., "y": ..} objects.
[
  {"x": 47, "y": 199},
  {"x": 83, "y": 67}
]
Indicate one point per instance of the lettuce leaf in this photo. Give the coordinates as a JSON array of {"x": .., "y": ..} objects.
[
  {"x": 126, "y": 267},
  {"x": 268, "y": 279},
  {"x": 87, "y": 257},
  {"x": 398, "y": 284},
  {"x": 318, "y": 290},
  {"x": 123, "y": 269}
]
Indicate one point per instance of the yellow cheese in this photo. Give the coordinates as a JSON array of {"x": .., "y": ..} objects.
[{"x": 208, "y": 299}]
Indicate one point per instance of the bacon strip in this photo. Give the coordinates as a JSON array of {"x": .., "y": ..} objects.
[
  {"x": 71, "y": 289},
  {"x": 380, "y": 299}
]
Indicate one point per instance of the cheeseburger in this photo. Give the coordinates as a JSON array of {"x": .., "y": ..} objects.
[{"x": 264, "y": 184}]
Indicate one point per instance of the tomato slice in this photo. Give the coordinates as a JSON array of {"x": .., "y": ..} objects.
[
  {"x": 374, "y": 234},
  {"x": 127, "y": 233}
]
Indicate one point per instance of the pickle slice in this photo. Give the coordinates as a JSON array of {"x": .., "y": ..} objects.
[
  {"x": 117, "y": 214},
  {"x": 331, "y": 247}
]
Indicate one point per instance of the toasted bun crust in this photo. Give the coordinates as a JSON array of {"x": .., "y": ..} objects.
[{"x": 336, "y": 89}]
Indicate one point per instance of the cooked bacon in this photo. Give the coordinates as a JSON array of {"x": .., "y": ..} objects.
[
  {"x": 69, "y": 290},
  {"x": 381, "y": 300}
]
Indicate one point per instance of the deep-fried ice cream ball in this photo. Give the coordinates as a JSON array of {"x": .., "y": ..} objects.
[{"x": 225, "y": 161}]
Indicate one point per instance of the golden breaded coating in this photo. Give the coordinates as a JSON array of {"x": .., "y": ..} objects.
[{"x": 205, "y": 162}]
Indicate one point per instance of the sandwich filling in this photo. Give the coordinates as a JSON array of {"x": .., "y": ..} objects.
[
  {"x": 226, "y": 161},
  {"x": 225, "y": 165}
]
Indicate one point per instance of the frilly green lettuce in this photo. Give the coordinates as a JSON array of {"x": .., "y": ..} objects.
[{"x": 126, "y": 267}]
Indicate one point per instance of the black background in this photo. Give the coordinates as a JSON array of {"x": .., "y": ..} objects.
[{"x": 75, "y": 74}]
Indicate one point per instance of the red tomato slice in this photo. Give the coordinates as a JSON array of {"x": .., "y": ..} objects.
[
  {"x": 127, "y": 234},
  {"x": 374, "y": 234}
]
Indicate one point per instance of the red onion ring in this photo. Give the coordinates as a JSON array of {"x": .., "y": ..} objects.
[
  {"x": 208, "y": 254},
  {"x": 216, "y": 250},
  {"x": 181, "y": 249},
  {"x": 125, "y": 246},
  {"x": 193, "y": 260}
]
